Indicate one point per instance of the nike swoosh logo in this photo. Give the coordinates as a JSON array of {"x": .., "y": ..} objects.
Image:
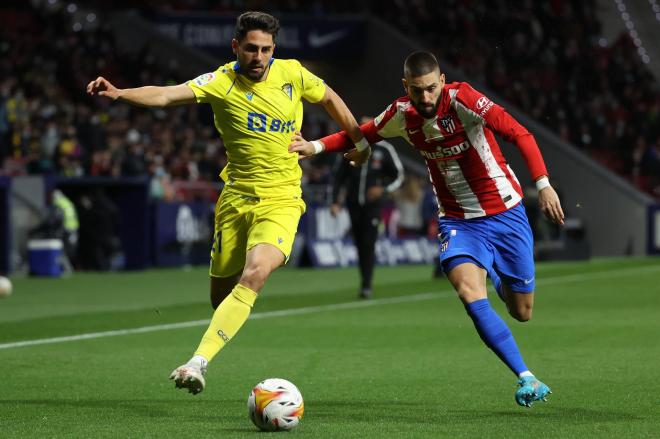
[
  {"x": 414, "y": 132},
  {"x": 316, "y": 40},
  {"x": 528, "y": 281}
]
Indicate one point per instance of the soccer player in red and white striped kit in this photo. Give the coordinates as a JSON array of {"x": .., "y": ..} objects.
[{"x": 484, "y": 231}]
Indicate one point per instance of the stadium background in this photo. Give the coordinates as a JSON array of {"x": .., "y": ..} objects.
[{"x": 582, "y": 76}]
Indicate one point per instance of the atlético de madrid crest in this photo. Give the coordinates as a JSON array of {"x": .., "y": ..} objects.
[
  {"x": 448, "y": 124},
  {"x": 288, "y": 89}
]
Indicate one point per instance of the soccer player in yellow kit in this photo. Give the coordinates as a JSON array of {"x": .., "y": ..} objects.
[{"x": 256, "y": 101}]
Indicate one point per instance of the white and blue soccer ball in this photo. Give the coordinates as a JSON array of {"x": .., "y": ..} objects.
[{"x": 275, "y": 404}]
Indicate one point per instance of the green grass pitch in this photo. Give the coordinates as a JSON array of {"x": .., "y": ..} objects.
[{"x": 407, "y": 364}]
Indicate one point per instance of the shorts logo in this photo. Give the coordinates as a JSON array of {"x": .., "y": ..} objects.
[
  {"x": 444, "y": 246},
  {"x": 204, "y": 79},
  {"x": 528, "y": 281}
]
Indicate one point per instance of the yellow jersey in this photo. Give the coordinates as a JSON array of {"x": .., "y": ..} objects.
[{"x": 256, "y": 121}]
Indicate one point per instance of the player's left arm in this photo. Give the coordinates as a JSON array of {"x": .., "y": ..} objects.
[
  {"x": 502, "y": 123},
  {"x": 316, "y": 91},
  {"x": 510, "y": 129}
]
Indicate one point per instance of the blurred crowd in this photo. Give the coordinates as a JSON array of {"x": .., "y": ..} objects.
[
  {"x": 547, "y": 58},
  {"x": 48, "y": 125}
]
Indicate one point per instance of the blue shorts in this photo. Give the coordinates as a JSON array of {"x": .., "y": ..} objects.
[{"x": 501, "y": 244}]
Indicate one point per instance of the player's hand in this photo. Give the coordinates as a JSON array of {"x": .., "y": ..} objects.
[
  {"x": 335, "y": 209},
  {"x": 550, "y": 205},
  {"x": 358, "y": 158},
  {"x": 103, "y": 87},
  {"x": 301, "y": 146},
  {"x": 374, "y": 193}
]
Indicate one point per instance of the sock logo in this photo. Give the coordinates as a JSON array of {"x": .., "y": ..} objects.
[{"x": 223, "y": 336}]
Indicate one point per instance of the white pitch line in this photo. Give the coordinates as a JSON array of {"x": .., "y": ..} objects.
[
  {"x": 321, "y": 308},
  {"x": 259, "y": 315}
]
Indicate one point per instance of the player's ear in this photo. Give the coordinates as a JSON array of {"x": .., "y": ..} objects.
[
  {"x": 405, "y": 84},
  {"x": 234, "y": 45}
]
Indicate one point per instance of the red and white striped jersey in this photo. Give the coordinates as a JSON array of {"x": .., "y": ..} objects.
[{"x": 470, "y": 176}]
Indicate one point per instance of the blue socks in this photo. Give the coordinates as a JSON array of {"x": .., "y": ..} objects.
[{"x": 496, "y": 334}]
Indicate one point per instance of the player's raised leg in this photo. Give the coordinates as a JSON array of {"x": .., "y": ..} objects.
[
  {"x": 513, "y": 261},
  {"x": 519, "y": 304},
  {"x": 230, "y": 315},
  {"x": 221, "y": 287},
  {"x": 469, "y": 281}
]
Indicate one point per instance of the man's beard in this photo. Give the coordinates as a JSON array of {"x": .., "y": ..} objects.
[
  {"x": 255, "y": 75},
  {"x": 426, "y": 112}
]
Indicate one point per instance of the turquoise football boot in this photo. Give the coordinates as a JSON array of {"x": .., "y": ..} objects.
[{"x": 531, "y": 389}]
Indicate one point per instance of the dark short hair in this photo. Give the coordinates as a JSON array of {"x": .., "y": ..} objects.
[
  {"x": 420, "y": 63},
  {"x": 254, "y": 20}
]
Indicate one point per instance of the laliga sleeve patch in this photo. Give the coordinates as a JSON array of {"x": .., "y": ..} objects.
[{"x": 204, "y": 79}]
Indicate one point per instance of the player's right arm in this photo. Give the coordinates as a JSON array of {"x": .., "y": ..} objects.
[
  {"x": 339, "y": 141},
  {"x": 149, "y": 96},
  {"x": 386, "y": 125}
]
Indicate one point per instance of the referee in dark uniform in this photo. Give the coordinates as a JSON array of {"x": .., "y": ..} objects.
[{"x": 367, "y": 187}]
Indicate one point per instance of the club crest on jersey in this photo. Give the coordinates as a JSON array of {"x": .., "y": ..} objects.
[
  {"x": 249, "y": 95},
  {"x": 288, "y": 89},
  {"x": 204, "y": 79},
  {"x": 448, "y": 124}
]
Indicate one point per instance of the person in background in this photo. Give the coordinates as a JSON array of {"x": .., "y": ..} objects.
[
  {"x": 70, "y": 226},
  {"x": 408, "y": 201},
  {"x": 60, "y": 222},
  {"x": 370, "y": 184}
]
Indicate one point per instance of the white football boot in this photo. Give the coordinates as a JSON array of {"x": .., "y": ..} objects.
[{"x": 189, "y": 376}]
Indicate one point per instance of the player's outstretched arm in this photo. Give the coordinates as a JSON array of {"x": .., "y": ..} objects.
[
  {"x": 306, "y": 148},
  {"x": 149, "y": 96}
]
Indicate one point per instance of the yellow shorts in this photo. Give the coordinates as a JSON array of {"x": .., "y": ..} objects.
[{"x": 241, "y": 222}]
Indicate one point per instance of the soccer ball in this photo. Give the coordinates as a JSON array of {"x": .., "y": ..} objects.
[
  {"x": 275, "y": 404},
  {"x": 5, "y": 287}
]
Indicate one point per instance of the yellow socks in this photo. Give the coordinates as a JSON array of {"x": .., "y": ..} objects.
[{"x": 226, "y": 321}]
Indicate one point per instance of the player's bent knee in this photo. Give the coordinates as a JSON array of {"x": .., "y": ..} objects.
[
  {"x": 521, "y": 312},
  {"x": 254, "y": 277}
]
